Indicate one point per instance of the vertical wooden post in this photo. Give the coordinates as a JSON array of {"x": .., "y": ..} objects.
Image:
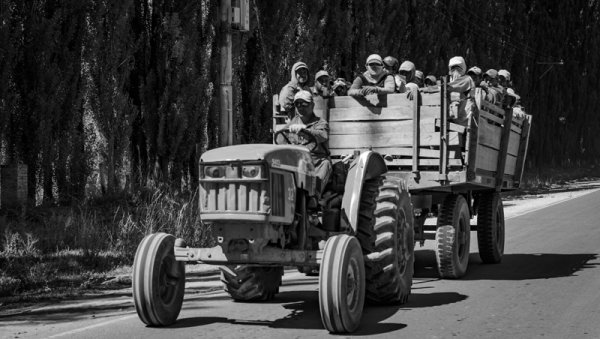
[
  {"x": 443, "y": 173},
  {"x": 225, "y": 88}
]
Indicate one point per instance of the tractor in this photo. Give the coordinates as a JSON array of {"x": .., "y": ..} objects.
[{"x": 266, "y": 210}]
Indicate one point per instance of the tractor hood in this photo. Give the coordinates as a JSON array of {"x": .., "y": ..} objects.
[{"x": 275, "y": 155}]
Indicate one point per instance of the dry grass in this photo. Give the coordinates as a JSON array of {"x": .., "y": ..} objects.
[{"x": 48, "y": 248}]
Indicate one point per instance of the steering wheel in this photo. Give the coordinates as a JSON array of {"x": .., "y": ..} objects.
[{"x": 284, "y": 136}]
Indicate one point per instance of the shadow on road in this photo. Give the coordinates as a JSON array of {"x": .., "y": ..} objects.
[
  {"x": 304, "y": 313},
  {"x": 513, "y": 266}
]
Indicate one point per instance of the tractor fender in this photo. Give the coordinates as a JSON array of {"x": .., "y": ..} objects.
[{"x": 367, "y": 166}]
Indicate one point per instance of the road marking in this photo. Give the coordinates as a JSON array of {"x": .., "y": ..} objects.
[
  {"x": 82, "y": 329},
  {"x": 551, "y": 204}
]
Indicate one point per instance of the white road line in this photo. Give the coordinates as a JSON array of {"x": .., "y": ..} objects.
[
  {"x": 551, "y": 204},
  {"x": 82, "y": 329}
]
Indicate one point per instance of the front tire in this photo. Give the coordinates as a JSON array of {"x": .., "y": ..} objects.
[
  {"x": 158, "y": 280},
  {"x": 342, "y": 284},
  {"x": 490, "y": 228},
  {"x": 453, "y": 237}
]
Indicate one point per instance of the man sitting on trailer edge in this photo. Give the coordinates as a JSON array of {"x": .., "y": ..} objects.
[{"x": 307, "y": 122}]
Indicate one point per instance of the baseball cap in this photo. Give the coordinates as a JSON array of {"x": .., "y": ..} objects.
[{"x": 303, "y": 95}]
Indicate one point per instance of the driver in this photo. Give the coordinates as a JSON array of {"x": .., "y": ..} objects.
[{"x": 306, "y": 122}]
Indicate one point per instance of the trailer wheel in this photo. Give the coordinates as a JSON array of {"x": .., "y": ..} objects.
[
  {"x": 158, "y": 280},
  {"x": 251, "y": 283},
  {"x": 342, "y": 284},
  {"x": 490, "y": 228},
  {"x": 453, "y": 237}
]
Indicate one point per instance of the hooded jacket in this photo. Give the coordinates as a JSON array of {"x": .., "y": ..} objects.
[{"x": 286, "y": 96}]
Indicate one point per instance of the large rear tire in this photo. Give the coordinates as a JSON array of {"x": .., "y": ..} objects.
[
  {"x": 158, "y": 280},
  {"x": 342, "y": 284},
  {"x": 453, "y": 237},
  {"x": 490, "y": 228},
  {"x": 390, "y": 273},
  {"x": 251, "y": 283}
]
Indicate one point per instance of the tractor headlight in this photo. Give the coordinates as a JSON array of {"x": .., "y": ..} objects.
[
  {"x": 214, "y": 171},
  {"x": 251, "y": 171}
]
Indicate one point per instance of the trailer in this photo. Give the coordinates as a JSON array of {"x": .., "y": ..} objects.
[{"x": 453, "y": 172}]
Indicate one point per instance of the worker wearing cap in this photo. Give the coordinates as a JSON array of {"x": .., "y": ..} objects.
[
  {"x": 461, "y": 89},
  {"x": 430, "y": 80},
  {"x": 475, "y": 74},
  {"x": 375, "y": 80},
  {"x": 504, "y": 78},
  {"x": 407, "y": 72},
  {"x": 490, "y": 82},
  {"x": 391, "y": 65},
  {"x": 298, "y": 82},
  {"x": 419, "y": 78},
  {"x": 306, "y": 122},
  {"x": 322, "y": 85},
  {"x": 340, "y": 87}
]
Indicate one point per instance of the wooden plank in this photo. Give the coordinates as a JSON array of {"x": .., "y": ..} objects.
[
  {"x": 378, "y": 113},
  {"x": 378, "y": 126},
  {"x": 423, "y": 162},
  {"x": 487, "y": 158},
  {"x": 510, "y": 166},
  {"x": 488, "y": 106},
  {"x": 491, "y": 117},
  {"x": 452, "y": 127},
  {"x": 389, "y": 140},
  {"x": 383, "y": 100},
  {"x": 395, "y": 151},
  {"x": 489, "y": 134},
  {"x": 416, "y": 133},
  {"x": 522, "y": 154},
  {"x": 431, "y": 99},
  {"x": 513, "y": 143},
  {"x": 503, "y": 155}
]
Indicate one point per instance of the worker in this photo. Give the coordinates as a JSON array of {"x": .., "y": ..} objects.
[
  {"x": 298, "y": 82},
  {"x": 375, "y": 80}
]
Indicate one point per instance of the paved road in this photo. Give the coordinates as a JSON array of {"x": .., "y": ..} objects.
[{"x": 548, "y": 285}]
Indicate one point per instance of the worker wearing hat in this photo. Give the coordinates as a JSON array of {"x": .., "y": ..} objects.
[
  {"x": 312, "y": 132},
  {"x": 461, "y": 88},
  {"x": 298, "y": 82},
  {"x": 322, "y": 85},
  {"x": 494, "y": 91},
  {"x": 376, "y": 80}
]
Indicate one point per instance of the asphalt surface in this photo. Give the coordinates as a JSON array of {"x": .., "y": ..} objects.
[{"x": 548, "y": 285}]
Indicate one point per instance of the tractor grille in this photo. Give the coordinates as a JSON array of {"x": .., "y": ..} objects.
[
  {"x": 234, "y": 197},
  {"x": 278, "y": 194}
]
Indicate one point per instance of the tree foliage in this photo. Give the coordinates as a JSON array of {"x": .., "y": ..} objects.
[{"x": 98, "y": 96}]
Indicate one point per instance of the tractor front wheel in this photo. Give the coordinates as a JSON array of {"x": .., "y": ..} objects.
[
  {"x": 158, "y": 280},
  {"x": 342, "y": 284}
]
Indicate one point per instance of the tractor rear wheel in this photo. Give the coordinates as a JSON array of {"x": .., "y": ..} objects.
[
  {"x": 158, "y": 280},
  {"x": 386, "y": 233},
  {"x": 453, "y": 237},
  {"x": 490, "y": 228},
  {"x": 251, "y": 283},
  {"x": 342, "y": 284}
]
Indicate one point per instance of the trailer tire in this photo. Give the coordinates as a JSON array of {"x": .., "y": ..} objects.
[
  {"x": 453, "y": 237},
  {"x": 342, "y": 284},
  {"x": 490, "y": 228},
  {"x": 158, "y": 283},
  {"x": 251, "y": 283},
  {"x": 388, "y": 237}
]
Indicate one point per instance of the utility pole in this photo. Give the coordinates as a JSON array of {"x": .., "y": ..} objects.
[{"x": 225, "y": 88}]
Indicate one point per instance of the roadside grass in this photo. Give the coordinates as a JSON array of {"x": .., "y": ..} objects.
[{"x": 58, "y": 250}]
